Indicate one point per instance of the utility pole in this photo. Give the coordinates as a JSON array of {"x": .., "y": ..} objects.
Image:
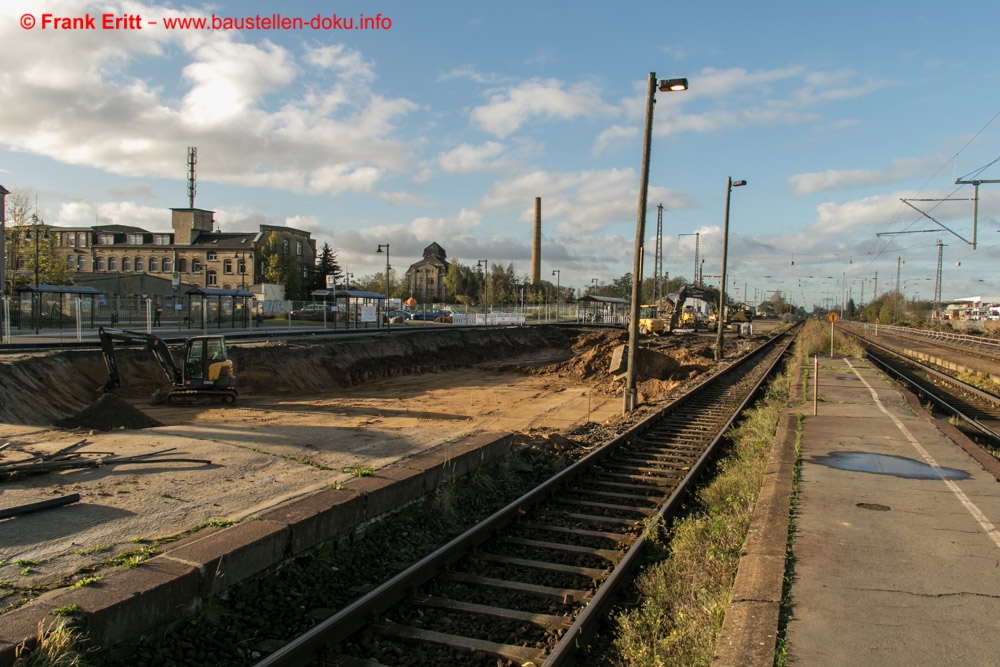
[
  {"x": 937, "y": 280},
  {"x": 895, "y": 301},
  {"x": 696, "y": 277},
  {"x": 975, "y": 205},
  {"x": 658, "y": 260},
  {"x": 3, "y": 254}
]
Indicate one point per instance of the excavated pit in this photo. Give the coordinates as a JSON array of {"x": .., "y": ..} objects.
[
  {"x": 311, "y": 414},
  {"x": 60, "y": 388}
]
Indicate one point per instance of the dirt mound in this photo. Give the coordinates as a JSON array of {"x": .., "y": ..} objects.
[{"x": 109, "y": 413}]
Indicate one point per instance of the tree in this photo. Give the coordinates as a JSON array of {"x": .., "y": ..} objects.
[
  {"x": 326, "y": 265},
  {"x": 620, "y": 287},
  {"x": 281, "y": 268},
  {"x": 19, "y": 264},
  {"x": 375, "y": 282},
  {"x": 461, "y": 283}
]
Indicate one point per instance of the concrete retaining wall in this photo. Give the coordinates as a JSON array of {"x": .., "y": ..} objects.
[{"x": 129, "y": 603}]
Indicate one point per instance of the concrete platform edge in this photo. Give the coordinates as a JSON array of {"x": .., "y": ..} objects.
[
  {"x": 167, "y": 585},
  {"x": 749, "y": 630}
]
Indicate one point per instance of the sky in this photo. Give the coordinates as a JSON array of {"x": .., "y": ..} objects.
[{"x": 442, "y": 121}]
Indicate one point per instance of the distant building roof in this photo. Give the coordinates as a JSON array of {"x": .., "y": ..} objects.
[
  {"x": 603, "y": 299},
  {"x": 60, "y": 289}
]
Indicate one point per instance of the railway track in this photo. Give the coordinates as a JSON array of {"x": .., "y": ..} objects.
[
  {"x": 528, "y": 584},
  {"x": 978, "y": 410}
]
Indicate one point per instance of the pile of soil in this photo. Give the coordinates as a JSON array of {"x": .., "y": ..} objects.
[
  {"x": 663, "y": 364},
  {"x": 109, "y": 413}
]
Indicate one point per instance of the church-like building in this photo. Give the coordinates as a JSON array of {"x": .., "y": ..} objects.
[{"x": 426, "y": 277}]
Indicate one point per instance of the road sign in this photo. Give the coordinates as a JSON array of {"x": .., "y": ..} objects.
[{"x": 832, "y": 317}]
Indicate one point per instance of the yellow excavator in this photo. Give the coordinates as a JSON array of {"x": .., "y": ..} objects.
[
  {"x": 208, "y": 374},
  {"x": 670, "y": 314}
]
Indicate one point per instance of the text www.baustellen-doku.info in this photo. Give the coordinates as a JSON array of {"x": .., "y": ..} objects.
[{"x": 48, "y": 21}]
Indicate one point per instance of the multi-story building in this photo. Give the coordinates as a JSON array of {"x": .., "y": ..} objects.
[
  {"x": 193, "y": 254},
  {"x": 426, "y": 277}
]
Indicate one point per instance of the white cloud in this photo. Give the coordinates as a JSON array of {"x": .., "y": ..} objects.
[
  {"x": 509, "y": 109},
  {"x": 87, "y": 214},
  {"x": 260, "y": 114},
  {"x": 467, "y": 158},
  {"x": 612, "y": 137},
  {"x": 728, "y": 99},
  {"x": 900, "y": 169},
  {"x": 582, "y": 202},
  {"x": 228, "y": 80}
]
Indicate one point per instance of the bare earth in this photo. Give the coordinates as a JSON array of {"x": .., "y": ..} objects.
[{"x": 270, "y": 448}]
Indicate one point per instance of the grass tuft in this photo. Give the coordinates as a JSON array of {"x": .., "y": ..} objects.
[
  {"x": 685, "y": 596},
  {"x": 57, "y": 646}
]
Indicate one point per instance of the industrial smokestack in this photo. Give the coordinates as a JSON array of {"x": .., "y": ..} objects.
[{"x": 536, "y": 245}]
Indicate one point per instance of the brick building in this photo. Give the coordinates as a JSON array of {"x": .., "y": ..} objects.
[{"x": 193, "y": 253}]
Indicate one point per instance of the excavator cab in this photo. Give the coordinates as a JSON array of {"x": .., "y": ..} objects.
[{"x": 206, "y": 362}]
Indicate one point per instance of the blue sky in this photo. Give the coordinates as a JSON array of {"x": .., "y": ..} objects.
[{"x": 447, "y": 124}]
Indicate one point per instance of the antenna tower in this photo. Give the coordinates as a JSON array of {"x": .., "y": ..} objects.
[{"x": 192, "y": 186}]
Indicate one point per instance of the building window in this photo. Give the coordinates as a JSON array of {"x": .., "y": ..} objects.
[
  {"x": 135, "y": 239},
  {"x": 285, "y": 246},
  {"x": 195, "y": 265},
  {"x": 71, "y": 240},
  {"x": 305, "y": 271},
  {"x": 154, "y": 265},
  {"x": 212, "y": 256},
  {"x": 138, "y": 264},
  {"x": 166, "y": 265},
  {"x": 213, "y": 279},
  {"x": 112, "y": 263},
  {"x": 71, "y": 263},
  {"x": 126, "y": 264},
  {"x": 106, "y": 239},
  {"x": 81, "y": 263},
  {"x": 227, "y": 266},
  {"x": 182, "y": 265},
  {"x": 99, "y": 264},
  {"x": 81, "y": 239},
  {"x": 161, "y": 239},
  {"x": 298, "y": 248}
]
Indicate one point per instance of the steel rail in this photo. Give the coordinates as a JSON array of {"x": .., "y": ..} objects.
[
  {"x": 930, "y": 391},
  {"x": 314, "y": 643}
]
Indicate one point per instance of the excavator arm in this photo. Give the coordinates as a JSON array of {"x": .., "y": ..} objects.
[
  {"x": 672, "y": 306},
  {"x": 150, "y": 342}
]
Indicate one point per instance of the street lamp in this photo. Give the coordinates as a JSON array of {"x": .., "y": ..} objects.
[
  {"x": 485, "y": 266},
  {"x": 3, "y": 254},
  {"x": 593, "y": 290},
  {"x": 386, "y": 246},
  {"x": 719, "y": 353},
  {"x": 666, "y": 85},
  {"x": 37, "y": 297},
  {"x": 558, "y": 274}
]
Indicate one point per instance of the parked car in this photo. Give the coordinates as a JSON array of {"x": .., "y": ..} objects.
[
  {"x": 313, "y": 311},
  {"x": 428, "y": 315}
]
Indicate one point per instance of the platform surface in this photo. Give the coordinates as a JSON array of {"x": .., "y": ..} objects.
[{"x": 896, "y": 547}]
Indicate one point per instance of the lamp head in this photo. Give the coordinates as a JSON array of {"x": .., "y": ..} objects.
[
  {"x": 673, "y": 85},
  {"x": 379, "y": 251},
  {"x": 737, "y": 184}
]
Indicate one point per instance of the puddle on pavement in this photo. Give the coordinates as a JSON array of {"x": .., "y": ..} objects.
[
  {"x": 851, "y": 378},
  {"x": 883, "y": 464}
]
